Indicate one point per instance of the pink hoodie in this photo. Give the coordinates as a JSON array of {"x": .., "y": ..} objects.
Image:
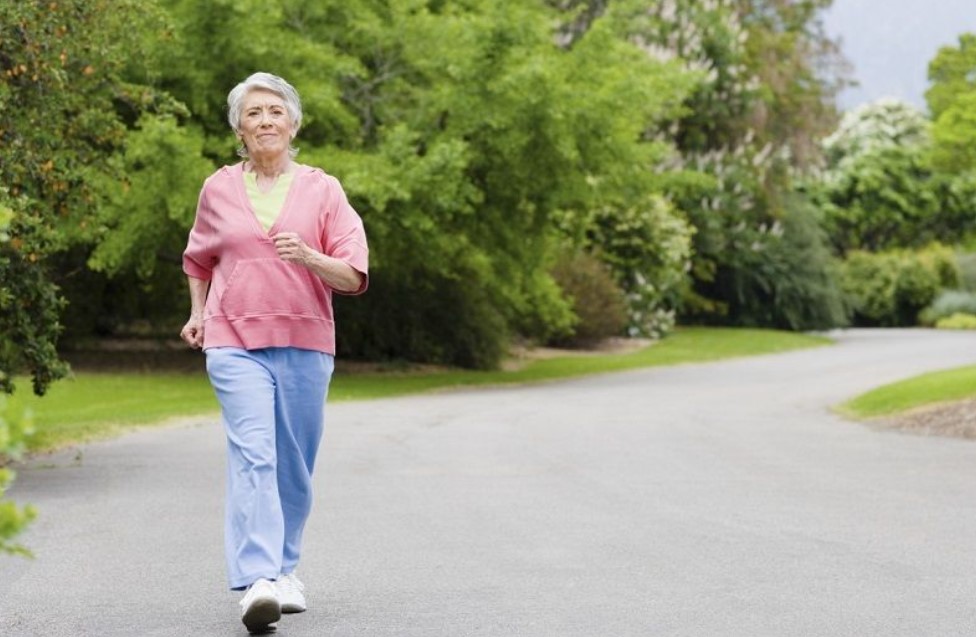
[{"x": 257, "y": 300}]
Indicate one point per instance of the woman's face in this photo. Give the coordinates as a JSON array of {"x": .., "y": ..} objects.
[{"x": 266, "y": 128}]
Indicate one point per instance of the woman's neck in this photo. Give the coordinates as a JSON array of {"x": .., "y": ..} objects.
[{"x": 270, "y": 168}]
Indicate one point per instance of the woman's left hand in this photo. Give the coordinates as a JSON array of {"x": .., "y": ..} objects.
[{"x": 291, "y": 248}]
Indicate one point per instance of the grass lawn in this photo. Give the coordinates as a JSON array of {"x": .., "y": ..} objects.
[
  {"x": 935, "y": 387},
  {"x": 95, "y": 405}
]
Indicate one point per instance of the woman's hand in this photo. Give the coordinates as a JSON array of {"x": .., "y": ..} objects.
[
  {"x": 291, "y": 248},
  {"x": 192, "y": 332}
]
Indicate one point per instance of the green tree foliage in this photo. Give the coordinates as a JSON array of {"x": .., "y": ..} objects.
[
  {"x": 799, "y": 71},
  {"x": 13, "y": 518},
  {"x": 880, "y": 190},
  {"x": 473, "y": 144},
  {"x": 954, "y": 136},
  {"x": 63, "y": 110},
  {"x": 952, "y": 103},
  {"x": 133, "y": 263},
  {"x": 480, "y": 140},
  {"x": 952, "y": 73},
  {"x": 747, "y": 130},
  {"x": 785, "y": 278}
]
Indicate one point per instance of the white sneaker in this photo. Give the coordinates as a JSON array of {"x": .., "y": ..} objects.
[
  {"x": 260, "y": 606},
  {"x": 291, "y": 593}
]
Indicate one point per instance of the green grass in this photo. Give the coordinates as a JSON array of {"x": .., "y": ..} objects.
[
  {"x": 96, "y": 405},
  {"x": 934, "y": 387}
]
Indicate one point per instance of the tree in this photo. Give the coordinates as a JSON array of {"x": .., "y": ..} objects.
[
  {"x": 63, "y": 112},
  {"x": 475, "y": 146},
  {"x": 952, "y": 73},
  {"x": 747, "y": 130},
  {"x": 13, "y": 519},
  {"x": 954, "y": 136},
  {"x": 952, "y": 99},
  {"x": 799, "y": 69},
  {"x": 879, "y": 189}
]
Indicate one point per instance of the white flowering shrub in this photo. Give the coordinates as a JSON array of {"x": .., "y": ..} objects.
[{"x": 878, "y": 189}]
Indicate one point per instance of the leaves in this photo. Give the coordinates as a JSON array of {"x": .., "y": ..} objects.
[
  {"x": 63, "y": 114},
  {"x": 952, "y": 73},
  {"x": 880, "y": 188},
  {"x": 14, "y": 429}
]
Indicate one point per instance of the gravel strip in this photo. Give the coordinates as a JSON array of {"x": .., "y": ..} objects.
[{"x": 956, "y": 420}]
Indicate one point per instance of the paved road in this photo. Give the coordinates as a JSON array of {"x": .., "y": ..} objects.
[{"x": 703, "y": 500}]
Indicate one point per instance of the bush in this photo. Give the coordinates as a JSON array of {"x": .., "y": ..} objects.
[
  {"x": 948, "y": 302},
  {"x": 598, "y": 302},
  {"x": 966, "y": 263},
  {"x": 958, "y": 321},
  {"x": 915, "y": 288},
  {"x": 13, "y": 519},
  {"x": 648, "y": 250},
  {"x": 779, "y": 276},
  {"x": 890, "y": 289},
  {"x": 868, "y": 281},
  {"x": 438, "y": 318}
]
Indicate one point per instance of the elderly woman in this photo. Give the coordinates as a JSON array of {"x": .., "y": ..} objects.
[{"x": 272, "y": 240}]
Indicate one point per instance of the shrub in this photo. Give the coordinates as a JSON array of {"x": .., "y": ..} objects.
[
  {"x": 915, "y": 288},
  {"x": 941, "y": 260},
  {"x": 958, "y": 321},
  {"x": 13, "y": 518},
  {"x": 948, "y": 302},
  {"x": 792, "y": 277},
  {"x": 598, "y": 302},
  {"x": 438, "y": 318},
  {"x": 779, "y": 274},
  {"x": 648, "y": 250},
  {"x": 966, "y": 263},
  {"x": 890, "y": 289},
  {"x": 868, "y": 281}
]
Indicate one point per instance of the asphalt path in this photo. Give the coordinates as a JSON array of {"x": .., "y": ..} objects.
[{"x": 710, "y": 499}]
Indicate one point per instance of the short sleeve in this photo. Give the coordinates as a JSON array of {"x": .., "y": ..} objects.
[
  {"x": 198, "y": 258},
  {"x": 344, "y": 237}
]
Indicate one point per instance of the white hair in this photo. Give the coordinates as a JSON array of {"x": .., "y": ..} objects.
[{"x": 266, "y": 82}]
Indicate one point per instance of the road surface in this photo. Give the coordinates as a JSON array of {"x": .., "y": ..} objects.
[{"x": 720, "y": 499}]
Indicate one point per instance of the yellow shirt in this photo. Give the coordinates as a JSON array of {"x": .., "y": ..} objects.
[{"x": 267, "y": 205}]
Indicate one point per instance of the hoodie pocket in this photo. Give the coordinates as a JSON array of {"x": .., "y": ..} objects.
[{"x": 260, "y": 287}]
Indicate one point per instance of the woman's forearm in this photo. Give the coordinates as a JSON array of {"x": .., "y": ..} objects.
[
  {"x": 198, "y": 295},
  {"x": 337, "y": 274}
]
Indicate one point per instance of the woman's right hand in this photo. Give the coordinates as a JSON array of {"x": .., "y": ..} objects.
[{"x": 192, "y": 332}]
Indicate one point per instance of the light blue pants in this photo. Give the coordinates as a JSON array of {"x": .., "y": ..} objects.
[{"x": 273, "y": 406}]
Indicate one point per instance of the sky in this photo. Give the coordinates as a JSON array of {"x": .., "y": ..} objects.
[{"x": 890, "y": 43}]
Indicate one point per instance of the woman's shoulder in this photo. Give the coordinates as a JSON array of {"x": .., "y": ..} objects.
[
  {"x": 315, "y": 176},
  {"x": 223, "y": 176}
]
